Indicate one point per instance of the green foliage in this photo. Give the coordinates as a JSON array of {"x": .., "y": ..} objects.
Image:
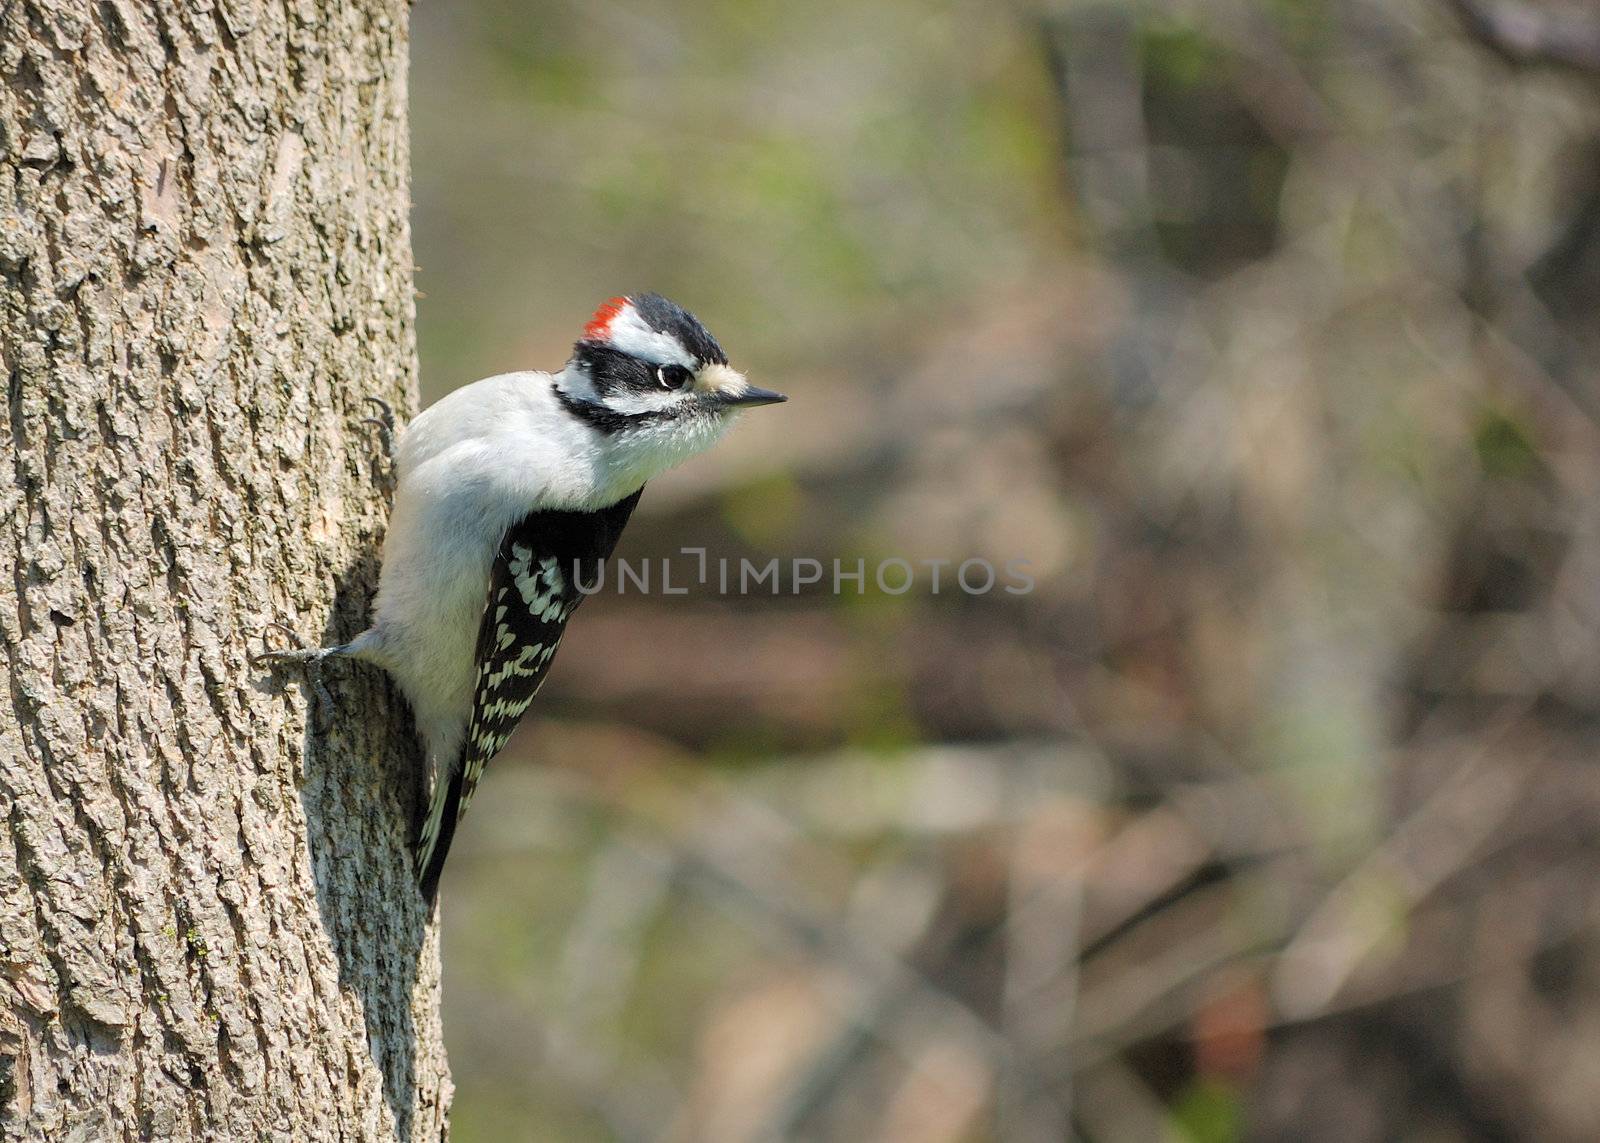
[
  {"x": 1504, "y": 445},
  {"x": 1209, "y": 1111},
  {"x": 1180, "y": 55}
]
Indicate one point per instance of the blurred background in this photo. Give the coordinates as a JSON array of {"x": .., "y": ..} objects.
[{"x": 1267, "y": 333}]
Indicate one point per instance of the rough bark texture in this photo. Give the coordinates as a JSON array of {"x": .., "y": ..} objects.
[{"x": 207, "y": 923}]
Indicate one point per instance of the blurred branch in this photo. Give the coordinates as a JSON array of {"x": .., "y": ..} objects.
[
  {"x": 1545, "y": 351},
  {"x": 1440, "y": 839},
  {"x": 1093, "y": 59},
  {"x": 1562, "y": 932},
  {"x": 1139, "y": 997},
  {"x": 1117, "y": 1106},
  {"x": 894, "y": 987},
  {"x": 1522, "y": 36},
  {"x": 521, "y": 1042},
  {"x": 628, "y": 887},
  {"x": 737, "y": 853},
  {"x": 1043, "y": 927}
]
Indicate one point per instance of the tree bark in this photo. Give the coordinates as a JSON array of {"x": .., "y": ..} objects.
[{"x": 208, "y": 926}]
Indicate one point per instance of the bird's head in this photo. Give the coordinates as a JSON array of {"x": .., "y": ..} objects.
[
  {"x": 643, "y": 360},
  {"x": 653, "y": 383}
]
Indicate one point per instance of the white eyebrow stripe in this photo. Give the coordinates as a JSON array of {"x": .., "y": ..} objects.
[
  {"x": 632, "y": 335},
  {"x": 648, "y": 401}
]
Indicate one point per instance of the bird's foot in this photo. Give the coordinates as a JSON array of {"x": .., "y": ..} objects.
[
  {"x": 310, "y": 660},
  {"x": 385, "y": 424}
]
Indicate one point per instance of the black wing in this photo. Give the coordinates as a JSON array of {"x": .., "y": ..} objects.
[{"x": 532, "y": 593}]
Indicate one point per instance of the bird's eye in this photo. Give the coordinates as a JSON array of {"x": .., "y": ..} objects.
[{"x": 672, "y": 376}]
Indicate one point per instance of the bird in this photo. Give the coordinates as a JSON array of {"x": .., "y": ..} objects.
[{"x": 509, "y": 493}]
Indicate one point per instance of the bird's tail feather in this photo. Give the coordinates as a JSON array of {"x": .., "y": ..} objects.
[{"x": 433, "y": 845}]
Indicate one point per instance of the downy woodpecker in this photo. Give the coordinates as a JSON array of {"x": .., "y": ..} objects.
[{"x": 506, "y": 490}]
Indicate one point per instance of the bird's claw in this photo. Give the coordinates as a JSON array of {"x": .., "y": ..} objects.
[
  {"x": 385, "y": 411},
  {"x": 269, "y": 656},
  {"x": 385, "y": 424},
  {"x": 308, "y": 658},
  {"x": 384, "y": 420}
]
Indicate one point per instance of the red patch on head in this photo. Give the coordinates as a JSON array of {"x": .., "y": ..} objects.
[{"x": 599, "y": 327}]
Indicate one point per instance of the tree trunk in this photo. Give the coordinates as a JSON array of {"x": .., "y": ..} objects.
[{"x": 208, "y": 926}]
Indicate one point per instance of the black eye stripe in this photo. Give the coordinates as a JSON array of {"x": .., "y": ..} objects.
[{"x": 611, "y": 370}]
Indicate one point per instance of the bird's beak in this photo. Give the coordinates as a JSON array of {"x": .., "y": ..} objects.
[
  {"x": 751, "y": 396},
  {"x": 727, "y": 387}
]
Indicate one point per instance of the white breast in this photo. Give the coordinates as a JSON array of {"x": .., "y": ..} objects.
[{"x": 470, "y": 466}]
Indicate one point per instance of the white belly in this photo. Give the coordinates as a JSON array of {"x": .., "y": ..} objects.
[{"x": 437, "y": 560}]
